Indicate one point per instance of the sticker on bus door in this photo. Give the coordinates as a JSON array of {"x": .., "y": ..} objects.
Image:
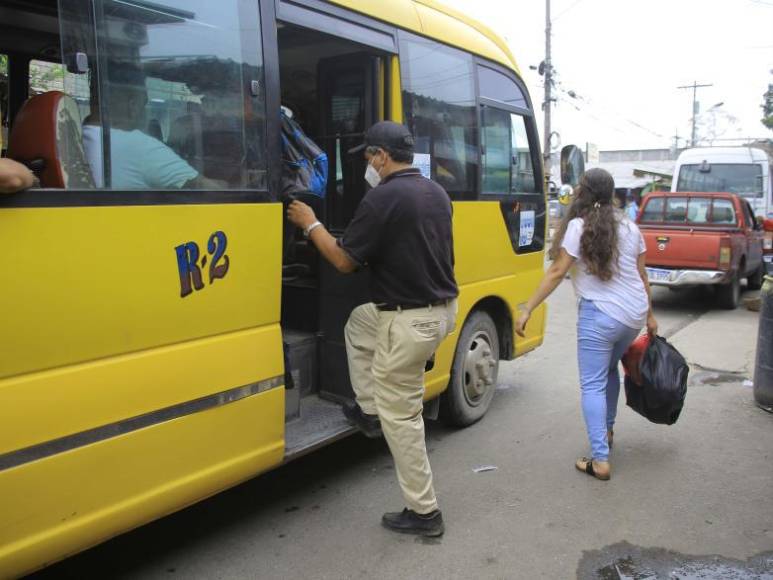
[{"x": 526, "y": 235}]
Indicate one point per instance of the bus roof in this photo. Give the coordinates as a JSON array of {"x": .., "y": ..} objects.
[
  {"x": 723, "y": 155},
  {"x": 437, "y": 21}
]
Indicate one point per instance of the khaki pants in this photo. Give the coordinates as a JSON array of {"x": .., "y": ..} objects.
[{"x": 387, "y": 352}]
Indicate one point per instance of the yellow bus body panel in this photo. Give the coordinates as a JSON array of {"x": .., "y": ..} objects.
[
  {"x": 95, "y": 333},
  {"x": 41, "y": 407},
  {"x": 66, "y": 503},
  {"x": 91, "y": 282},
  {"x": 486, "y": 266}
]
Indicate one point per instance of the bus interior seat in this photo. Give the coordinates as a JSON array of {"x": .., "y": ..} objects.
[
  {"x": 47, "y": 136},
  {"x": 185, "y": 139},
  {"x": 222, "y": 147},
  {"x": 154, "y": 129}
]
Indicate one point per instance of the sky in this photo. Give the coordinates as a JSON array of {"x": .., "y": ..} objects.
[{"x": 624, "y": 59}]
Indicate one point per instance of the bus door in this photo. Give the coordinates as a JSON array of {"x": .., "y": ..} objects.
[
  {"x": 331, "y": 68},
  {"x": 348, "y": 105}
]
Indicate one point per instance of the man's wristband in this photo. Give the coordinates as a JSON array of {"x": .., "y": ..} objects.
[{"x": 307, "y": 231}]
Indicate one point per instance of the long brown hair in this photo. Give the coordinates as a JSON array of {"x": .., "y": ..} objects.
[{"x": 594, "y": 203}]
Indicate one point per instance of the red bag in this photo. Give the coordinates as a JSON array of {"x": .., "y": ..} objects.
[{"x": 632, "y": 358}]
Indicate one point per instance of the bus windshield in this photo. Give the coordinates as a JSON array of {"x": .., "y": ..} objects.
[{"x": 745, "y": 179}]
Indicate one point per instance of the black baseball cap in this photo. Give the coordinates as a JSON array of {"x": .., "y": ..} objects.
[{"x": 387, "y": 135}]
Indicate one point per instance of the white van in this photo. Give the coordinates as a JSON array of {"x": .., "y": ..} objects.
[{"x": 746, "y": 171}]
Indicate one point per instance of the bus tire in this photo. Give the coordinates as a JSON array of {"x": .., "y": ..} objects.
[
  {"x": 474, "y": 372},
  {"x": 756, "y": 278},
  {"x": 729, "y": 295}
]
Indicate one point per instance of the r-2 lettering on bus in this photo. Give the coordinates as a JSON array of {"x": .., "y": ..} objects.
[{"x": 190, "y": 262}]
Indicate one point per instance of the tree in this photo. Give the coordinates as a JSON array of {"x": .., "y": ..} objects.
[
  {"x": 714, "y": 124},
  {"x": 767, "y": 108},
  {"x": 46, "y": 76}
]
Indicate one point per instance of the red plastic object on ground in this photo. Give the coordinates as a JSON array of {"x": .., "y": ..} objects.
[{"x": 632, "y": 357}]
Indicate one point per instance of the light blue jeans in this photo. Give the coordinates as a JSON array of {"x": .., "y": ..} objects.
[{"x": 601, "y": 343}]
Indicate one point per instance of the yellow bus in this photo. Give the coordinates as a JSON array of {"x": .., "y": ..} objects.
[{"x": 165, "y": 335}]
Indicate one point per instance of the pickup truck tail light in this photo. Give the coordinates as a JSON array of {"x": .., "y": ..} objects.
[
  {"x": 767, "y": 244},
  {"x": 725, "y": 254}
]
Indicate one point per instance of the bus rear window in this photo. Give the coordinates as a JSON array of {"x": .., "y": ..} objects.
[{"x": 741, "y": 178}]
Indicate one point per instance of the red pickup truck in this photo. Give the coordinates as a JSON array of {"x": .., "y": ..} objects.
[{"x": 703, "y": 238}]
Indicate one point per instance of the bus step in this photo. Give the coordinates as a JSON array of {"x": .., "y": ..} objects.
[{"x": 320, "y": 422}]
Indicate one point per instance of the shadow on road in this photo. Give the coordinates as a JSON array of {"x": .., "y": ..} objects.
[{"x": 252, "y": 500}]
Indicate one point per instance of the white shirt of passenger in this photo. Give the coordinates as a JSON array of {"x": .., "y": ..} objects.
[
  {"x": 623, "y": 297},
  {"x": 137, "y": 160}
]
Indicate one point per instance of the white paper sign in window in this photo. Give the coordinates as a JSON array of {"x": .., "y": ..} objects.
[{"x": 526, "y": 229}]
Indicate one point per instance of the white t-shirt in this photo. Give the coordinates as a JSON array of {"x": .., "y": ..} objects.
[
  {"x": 623, "y": 297},
  {"x": 137, "y": 160}
]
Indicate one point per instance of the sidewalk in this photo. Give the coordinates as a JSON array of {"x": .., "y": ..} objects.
[{"x": 724, "y": 341}]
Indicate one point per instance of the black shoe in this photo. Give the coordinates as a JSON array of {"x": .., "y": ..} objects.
[
  {"x": 409, "y": 522},
  {"x": 368, "y": 424}
]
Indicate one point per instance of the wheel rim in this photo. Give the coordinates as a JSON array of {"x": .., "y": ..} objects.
[{"x": 480, "y": 368}]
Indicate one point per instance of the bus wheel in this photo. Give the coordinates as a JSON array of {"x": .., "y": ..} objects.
[
  {"x": 729, "y": 295},
  {"x": 474, "y": 372}
]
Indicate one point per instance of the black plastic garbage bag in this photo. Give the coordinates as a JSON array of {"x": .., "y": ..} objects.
[{"x": 660, "y": 397}]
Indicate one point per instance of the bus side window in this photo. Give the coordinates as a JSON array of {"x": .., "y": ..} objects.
[
  {"x": 512, "y": 157},
  {"x": 523, "y": 180},
  {"x": 507, "y": 161},
  {"x": 495, "y": 144},
  {"x": 182, "y": 93},
  {"x": 439, "y": 101}
]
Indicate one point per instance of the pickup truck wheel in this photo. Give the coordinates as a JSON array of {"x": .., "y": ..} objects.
[
  {"x": 729, "y": 295},
  {"x": 474, "y": 372},
  {"x": 755, "y": 280}
]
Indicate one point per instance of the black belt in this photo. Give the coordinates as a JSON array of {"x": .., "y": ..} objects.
[{"x": 390, "y": 307}]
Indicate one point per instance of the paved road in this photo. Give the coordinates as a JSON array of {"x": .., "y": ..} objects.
[{"x": 688, "y": 501}]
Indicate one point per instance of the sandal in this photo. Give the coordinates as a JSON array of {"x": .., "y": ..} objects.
[{"x": 586, "y": 465}]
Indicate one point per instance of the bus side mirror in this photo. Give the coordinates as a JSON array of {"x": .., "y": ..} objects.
[{"x": 572, "y": 165}]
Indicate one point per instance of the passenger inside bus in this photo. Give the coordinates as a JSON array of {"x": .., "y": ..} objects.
[
  {"x": 137, "y": 159},
  {"x": 15, "y": 176}
]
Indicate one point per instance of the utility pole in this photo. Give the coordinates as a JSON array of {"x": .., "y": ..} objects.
[
  {"x": 676, "y": 141},
  {"x": 548, "y": 97},
  {"x": 694, "y": 86}
]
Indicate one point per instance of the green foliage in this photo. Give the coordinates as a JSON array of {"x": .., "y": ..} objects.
[
  {"x": 767, "y": 108},
  {"x": 46, "y": 77}
]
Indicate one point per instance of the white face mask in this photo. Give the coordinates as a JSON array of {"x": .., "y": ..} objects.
[{"x": 372, "y": 176}]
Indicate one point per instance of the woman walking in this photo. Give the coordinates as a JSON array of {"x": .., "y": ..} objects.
[{"x": 607, "y": 252}]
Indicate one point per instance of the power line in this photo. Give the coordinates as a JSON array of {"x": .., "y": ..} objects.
[
  {"x": 560, "y": 14},
  {"x": 588, "y": 102}
]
